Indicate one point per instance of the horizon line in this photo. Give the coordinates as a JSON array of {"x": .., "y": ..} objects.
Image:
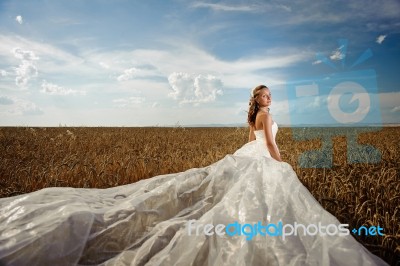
[{"x": 210, "y": 125}]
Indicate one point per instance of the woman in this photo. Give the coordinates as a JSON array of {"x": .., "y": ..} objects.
[
  {"x": 233, "y": 212},
  {"x": 260, "y": 120}
]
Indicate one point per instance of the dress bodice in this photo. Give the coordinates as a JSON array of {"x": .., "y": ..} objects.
[
  {"x": 260, "y": 135},
  {"x": 257, "y": 147}
]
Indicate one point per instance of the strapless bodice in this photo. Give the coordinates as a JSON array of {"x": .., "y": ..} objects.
[
  {"x": 260, "y": 134},
  {"x": 257, "y": 148}
]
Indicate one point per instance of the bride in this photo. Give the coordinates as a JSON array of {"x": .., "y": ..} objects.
[{"x": 249, "y": 208}]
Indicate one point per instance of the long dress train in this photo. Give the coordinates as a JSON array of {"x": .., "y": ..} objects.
[{"x": 161, "y": 220}]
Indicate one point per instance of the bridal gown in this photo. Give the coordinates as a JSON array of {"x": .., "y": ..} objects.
[{"x": 147, "y": 222}]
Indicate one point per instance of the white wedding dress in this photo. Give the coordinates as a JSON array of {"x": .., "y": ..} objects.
[{"x": 146, "y": 223}]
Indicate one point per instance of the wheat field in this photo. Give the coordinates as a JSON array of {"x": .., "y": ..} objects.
[{"x": 357, "y": 194}]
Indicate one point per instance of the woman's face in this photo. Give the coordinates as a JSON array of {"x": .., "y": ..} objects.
[{"x": 264, "y": 98}]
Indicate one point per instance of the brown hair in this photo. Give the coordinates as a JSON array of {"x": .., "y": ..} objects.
[{"x": 253, "y": 105}]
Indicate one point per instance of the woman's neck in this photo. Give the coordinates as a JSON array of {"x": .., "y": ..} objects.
[{"x": 264, "y": 109}]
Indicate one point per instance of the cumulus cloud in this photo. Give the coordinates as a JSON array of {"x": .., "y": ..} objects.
[
  {"x": 380, "y": 39},
  {"x": 237, "y": 73},
  {"x": 27, "y": 69},
  {"x": 128, "y": 74},
  {"x": 25, "y": 72},
  {"x": 53, "y": 89},
  {"x": 128, "y": 102},
  {"x": 19, "y": 19},
  {"x": 187, "y": 88},
  {"x": 24, "y": 55},
  {"x": 338, "y": 54}
]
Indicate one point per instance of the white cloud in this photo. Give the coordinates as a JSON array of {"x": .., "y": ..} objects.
[
  {"x": 24, "y": 55},
  {"x": 252, "y": 8},
  {"x": 104, "y": 65},
  {"x": 224, "y": 7},
  {"x": 129, "y": 102},
  {"x": 52, "y": 59},
  {"x": 128, "y": 74},
  {"x": 153, "y": 69},
  {"x": 338, "y": 54},
  {"x": 380, "y": 39},
  {"x": 19, "y": 19},
  {"x": 3, "y": 73},
  {"x": 18, "y": 106},
  {"x": 141, "y": 71},
  {"x": 194, "y": 89},
  {"x": 27, "y": 69},
  {"x": 24, "y": 107},
  {"x": 316, "y": 62},
  {"x": 239, "y": 73},
  {"x": 395, "y": 109},
  {"x": 285, "y": 7},
  {"x": 53, "y": 89},
  {"x": 24, "y": 72}
]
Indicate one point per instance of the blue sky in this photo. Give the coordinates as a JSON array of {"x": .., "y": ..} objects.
[{"x": 149, "y": 63}]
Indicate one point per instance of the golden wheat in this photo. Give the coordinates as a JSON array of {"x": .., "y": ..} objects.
[{"x": 357, "y": 194}]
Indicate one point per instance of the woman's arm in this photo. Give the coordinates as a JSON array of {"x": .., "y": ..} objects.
[
  {"x": 272, "y": 148},
  {"x": 252, "y": 136}
]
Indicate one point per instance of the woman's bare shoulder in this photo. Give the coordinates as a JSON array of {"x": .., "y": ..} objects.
[{"x": 265, "y": 116}]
